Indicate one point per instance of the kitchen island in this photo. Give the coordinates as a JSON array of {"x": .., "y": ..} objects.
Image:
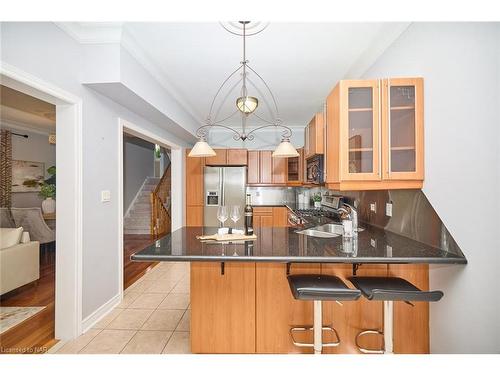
[{"x": 241, "y": 302}]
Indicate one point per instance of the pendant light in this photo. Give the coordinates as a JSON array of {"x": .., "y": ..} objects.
[
  {"x": 246, "y": 104},
  {"x": 285, "y": 150},
  {"x": 201, "y": 149}
]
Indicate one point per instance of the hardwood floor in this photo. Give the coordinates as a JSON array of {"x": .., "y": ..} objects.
[{"x": 36, "y": 334}]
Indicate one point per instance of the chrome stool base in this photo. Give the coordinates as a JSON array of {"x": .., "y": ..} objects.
[
  {"x": 311, "y": 345},
  {"x": 365, "y": 350}
]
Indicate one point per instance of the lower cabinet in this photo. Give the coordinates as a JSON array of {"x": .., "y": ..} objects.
[
  {"x": 222, "y": 307},
  {"x": 250, "y": 309},
  {"x": 194, "y": 216}
]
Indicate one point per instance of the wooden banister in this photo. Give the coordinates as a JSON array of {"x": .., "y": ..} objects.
[{"x": 160, "y": 217}]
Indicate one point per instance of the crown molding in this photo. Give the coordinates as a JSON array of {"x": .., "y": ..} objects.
[
  {"x": 93, "y": 32},
  {"x": 16, "y": 125}
]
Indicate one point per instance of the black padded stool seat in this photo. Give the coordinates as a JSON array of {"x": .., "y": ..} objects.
[
  {"x": 321, "y": 288},
  {"x": 392, "y": 289}
]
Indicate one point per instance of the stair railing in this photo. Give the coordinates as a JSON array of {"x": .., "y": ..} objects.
[{"x": 160, "y": 216}]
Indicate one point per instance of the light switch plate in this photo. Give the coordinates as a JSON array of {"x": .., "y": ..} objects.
[
  {"x": 388, "y": 250},
  {"x": 388, "y": 209},
  {"x": 373, "y": 207},
  {"x": 105, "y": 196}
]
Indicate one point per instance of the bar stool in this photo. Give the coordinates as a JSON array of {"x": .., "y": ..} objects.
[
  {"x": 319, "y": 288},
  {"x": 389, "y": 289}
]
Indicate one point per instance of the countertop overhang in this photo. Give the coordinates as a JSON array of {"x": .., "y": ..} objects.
[{"x": 284, "y": 245}]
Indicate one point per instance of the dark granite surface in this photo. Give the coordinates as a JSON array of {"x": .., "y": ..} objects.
[{"x": 373, "y": 245}]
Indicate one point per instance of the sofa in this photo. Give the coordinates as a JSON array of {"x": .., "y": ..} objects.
[{"x": 19, "y": 259}]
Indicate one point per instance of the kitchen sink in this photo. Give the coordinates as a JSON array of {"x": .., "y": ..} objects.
[
  {"x": 326, "y": 231},
  {"x": 330, "y": 228},
  {"x": 317, "y": 233}
]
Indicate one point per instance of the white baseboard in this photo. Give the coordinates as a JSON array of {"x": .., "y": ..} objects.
[{"x": 97, "y": 315}]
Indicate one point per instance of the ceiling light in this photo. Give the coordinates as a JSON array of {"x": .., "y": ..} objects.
[
  {"x": 285, "y": 150},
  {"x": 247, "y": 104},
  {"x": 201, "y": 149}
]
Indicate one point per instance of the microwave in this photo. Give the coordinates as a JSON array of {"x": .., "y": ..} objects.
[{"x": 314, "y": 170}]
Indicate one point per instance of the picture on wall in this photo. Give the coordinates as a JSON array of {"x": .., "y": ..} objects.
[{"x": 27, "y": 176}]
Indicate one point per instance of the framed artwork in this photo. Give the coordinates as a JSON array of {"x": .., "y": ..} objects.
[{"x": 27, "y": 176}]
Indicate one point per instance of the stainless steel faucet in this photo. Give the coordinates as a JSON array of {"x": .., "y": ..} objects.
[{"x": 351, "y": 212}]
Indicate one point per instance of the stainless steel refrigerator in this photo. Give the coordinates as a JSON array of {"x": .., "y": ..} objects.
[{"x": 224, "y": 186}]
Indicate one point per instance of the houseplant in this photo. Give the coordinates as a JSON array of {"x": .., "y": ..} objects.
[
  {"x": 317, "y": 200},
  {"x": 48, "y": 192}
]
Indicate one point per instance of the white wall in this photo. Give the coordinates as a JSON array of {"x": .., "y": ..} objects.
[
  {"x": 45, "y": 51},
  {"x": 460, "y": 63},
  {"x": 34, "y": 148},
  {"x": 138, "y": 163}
]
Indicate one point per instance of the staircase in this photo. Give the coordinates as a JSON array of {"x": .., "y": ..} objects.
[{"x": 138, "y": 218}]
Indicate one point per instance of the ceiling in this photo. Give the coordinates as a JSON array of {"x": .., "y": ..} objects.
[
  {"x": 21, "y": 110},
  {"x": 301, "y": 62}
]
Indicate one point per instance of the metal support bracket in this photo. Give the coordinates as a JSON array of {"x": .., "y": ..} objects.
[
  {"x": 222, "y": 268},
  {"x": 355, "y": 267}
]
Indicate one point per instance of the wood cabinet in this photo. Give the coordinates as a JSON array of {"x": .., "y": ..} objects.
[
  {"x": 219, "y": 159},
  {"x": 295, "y": 169},
  {"x": 374, "y": 134},
  {"x": 402, "y": 129},
  {"x": 314, "y": 136},
  {"x": 270, "y": 217},
  {"x": 222, "y": 307},
  {"x": 279, "y": 171},
  {"x": 262, "y": 217},
  {"x": 265, "y": 167},
  {"x": 250, "y": 309},
  {"x": 228, "y": 156},
  {"x": 236, "y": 156},
  {"x": 280, "y": 217},
  {"x": 194, "y": 190},
  {"x": 265, "y": 170},
  {"x": 253, "y": 176}
]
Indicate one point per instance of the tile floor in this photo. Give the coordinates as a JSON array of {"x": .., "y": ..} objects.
[{"x": 153, "y": 317}]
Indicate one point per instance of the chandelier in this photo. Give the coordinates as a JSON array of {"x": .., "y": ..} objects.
[{"x": 246, "y": 106}]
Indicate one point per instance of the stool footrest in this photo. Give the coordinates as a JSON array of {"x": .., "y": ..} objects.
[
  {"x": 365, "y": 350},
  {"x": 310, "y": 328}
]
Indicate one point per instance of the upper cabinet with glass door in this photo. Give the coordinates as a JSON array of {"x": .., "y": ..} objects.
[
  {"x": 374, "y": 135},
  {"x": 403, "y": 129}
]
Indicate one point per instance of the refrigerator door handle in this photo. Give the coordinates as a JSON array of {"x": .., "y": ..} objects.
[{"x": 221, "y": 186}]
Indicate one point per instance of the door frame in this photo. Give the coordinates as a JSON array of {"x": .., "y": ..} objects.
[
  {"x": 177, "y": 179},
  {"x": 69, "y": 119}
]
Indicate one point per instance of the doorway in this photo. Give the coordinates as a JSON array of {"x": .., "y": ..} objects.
[
  {"x": 67, "y": 301},
  {"x": 150, "y": 168}
]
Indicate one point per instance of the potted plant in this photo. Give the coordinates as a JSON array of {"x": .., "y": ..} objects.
[
  {"x": 48, "y": 192},
  {"x": 317, "y": 200}
]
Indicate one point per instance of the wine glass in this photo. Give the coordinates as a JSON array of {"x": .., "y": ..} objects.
[
  {"x": 222, "y": 214},
  {"x": 235, "y": 214}
]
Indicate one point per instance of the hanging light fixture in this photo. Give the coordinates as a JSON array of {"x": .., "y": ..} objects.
[
  {"x": 246, "y": 104},
  {"x": 202, "y": 149}
]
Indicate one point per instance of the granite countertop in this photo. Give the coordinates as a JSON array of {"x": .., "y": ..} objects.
[{"x": 373, "y": 245}]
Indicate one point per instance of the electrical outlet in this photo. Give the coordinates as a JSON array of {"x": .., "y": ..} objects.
[
  {"x": 373, "y": 207},
  {"x": 388, "y": 209},
  {"x": 105, "y": 196}
]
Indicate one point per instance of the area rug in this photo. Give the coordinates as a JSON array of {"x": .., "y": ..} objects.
[{"x": 11, "y": 316}]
